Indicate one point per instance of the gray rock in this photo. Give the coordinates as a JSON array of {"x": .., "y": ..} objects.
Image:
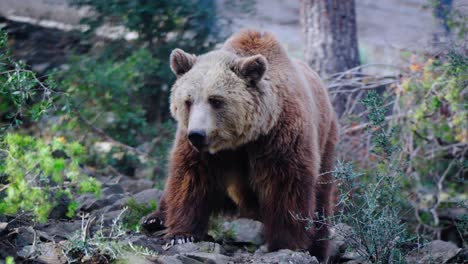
[
  {"x": 199, "y": 247},
  {"x": 135, "y": 186},
  {"x": 3, "y": 226},
  {"x": 113, "y": 189},
  {"x": 195, "y": 258},
  {"x": 24, "y": 236},
  {"x": 90, "y": 203},
  {"x": 51, "y": 253},
  {"x": 437, "y": 251},
  {"x": 148, "y": 195},
  {"x": 244, "y": 230},
  {"x": 284, "y": 256},
  {"x": 44, "y": 253},
  {"x": 340, "y": 236},
  {"x": 145, "y": 197},
  {"x": 60, "y": 230},
  {"x": 153, "y": 243},
  {"x": 41, "y": 67}
]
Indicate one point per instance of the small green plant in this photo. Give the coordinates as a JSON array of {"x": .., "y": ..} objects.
[
  {"x": 35, "y": 174},
  {"x": 137, "y": 211},
  {"x": 9, "y": 260},
  {"x": 105, "y": 244},
  {"x": 217, "y": 231},
  {"x": 22, "y": 95}
]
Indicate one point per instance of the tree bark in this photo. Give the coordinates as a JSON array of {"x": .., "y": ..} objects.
[
  {"x": 330, "y": 41},
  {"x": 330, "y": 33}
]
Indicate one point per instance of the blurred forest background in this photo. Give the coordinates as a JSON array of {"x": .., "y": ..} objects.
[{"x": 84, "y": 92}]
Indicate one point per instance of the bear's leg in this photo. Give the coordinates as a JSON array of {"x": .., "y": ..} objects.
[
  {"x": 189, "y": 193},
  {"x": 286, "y": 197},
  {"x": 188, "y": 207},
  {"x": 326, "y": 200}
]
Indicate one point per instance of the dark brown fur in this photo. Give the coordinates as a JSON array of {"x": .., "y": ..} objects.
[{"x": 274, "y": 178}]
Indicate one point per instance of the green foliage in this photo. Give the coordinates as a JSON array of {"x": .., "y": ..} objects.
[
  {"x": 9, "y": 260},
  {"x": 434, "y": 94},
  {"x": 36, "y": 174},
  {"x": 217, "y": 231},
  {"x": 111, "y": 92},
  {"x": 161, "y": 26},
  {"x": 381, "y": 138},
  {"x": 453, "y": 18},
  {"x": 137, "y": 211},
  {"x": 104, "y": 243},
  {"x": 22, "y": 95},
  {"x": 371, "y": 202},
  {"x": 159, "y": 23}
]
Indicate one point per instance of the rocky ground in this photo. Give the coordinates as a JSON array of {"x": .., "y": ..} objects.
[{"x": 99, "y": 234}]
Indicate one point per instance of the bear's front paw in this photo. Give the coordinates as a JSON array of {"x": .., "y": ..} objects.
[{"x": 152, "y": 223}]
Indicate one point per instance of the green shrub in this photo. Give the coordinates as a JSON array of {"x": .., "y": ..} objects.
[
  {"x": 371, "y": 201},
  {"x": 161, "y": 26},
  {"x": 36, "y": 175},
  {"x": 22, "y": 95},
  {"x": 110, "y": 92}
]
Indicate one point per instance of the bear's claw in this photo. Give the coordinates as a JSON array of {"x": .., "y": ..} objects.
[
  {"x": 178, "y": 240},
  {"x": 152, "y": 223}
]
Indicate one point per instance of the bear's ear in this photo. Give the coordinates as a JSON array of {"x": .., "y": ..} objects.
[
  {"x": 181, "y": 62},
  {"x": 251, "y": 68}
]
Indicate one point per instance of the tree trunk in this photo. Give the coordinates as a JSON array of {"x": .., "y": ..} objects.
[
  {"x": 330, "y": 41},
  {"x": 330, "y": 33}
]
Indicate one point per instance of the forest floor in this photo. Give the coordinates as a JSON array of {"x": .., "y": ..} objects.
[{"x": 99, "y": 235}]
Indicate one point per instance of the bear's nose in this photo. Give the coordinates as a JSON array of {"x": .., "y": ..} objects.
[{"x": 197, "y": 138}]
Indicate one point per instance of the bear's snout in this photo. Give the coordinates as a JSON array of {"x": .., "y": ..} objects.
[{"x": 198, "y": 139}]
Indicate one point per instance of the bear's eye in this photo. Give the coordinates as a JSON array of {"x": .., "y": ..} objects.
[
  {"x": 188, "y": 103},
  {"x": 215, "y": 103}
]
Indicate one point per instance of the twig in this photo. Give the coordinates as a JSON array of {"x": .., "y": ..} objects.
[
  {"x": 434, "y": 207},
  {"x": 106, "y": 137},
  {"x": 365, "y": 125}
]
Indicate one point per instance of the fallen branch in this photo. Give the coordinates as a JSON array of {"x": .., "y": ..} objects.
[{"x": 99, "y": 132}]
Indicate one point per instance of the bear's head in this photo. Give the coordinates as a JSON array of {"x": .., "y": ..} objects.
[{"x": 222, "y": 101}]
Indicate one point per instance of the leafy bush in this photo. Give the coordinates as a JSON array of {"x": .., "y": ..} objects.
[
  {"x": 22, "y": 95},
  {"x": 110, "y": 92},
  {"x": 433, "y": 97},
  {"x": 35, "y": 175},
  {"x": 161, "y": 26},
  {"x": 371, "y": 201},
  {"x": 412, "y": 158}
]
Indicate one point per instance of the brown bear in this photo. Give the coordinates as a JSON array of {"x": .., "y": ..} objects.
[{"x": 256, "y": 132}]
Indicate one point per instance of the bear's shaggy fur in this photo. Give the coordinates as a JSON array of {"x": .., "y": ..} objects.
[{"x": 270, "y": 137}]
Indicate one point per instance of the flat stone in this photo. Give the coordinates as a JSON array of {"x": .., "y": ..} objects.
[
  {"x": 60, "y": 230},
  {"x": 113, "y": 189},
  {"x": 340, "y": 236},
  {"x": 195, "y": 258},
  {"x": 284, "y": 256},
  {"x": 245, "y": 230},
  {"x": 144, "y": 197},
  {"x": 90, "y": 203},
  {"x": 437, "y": 251},
  {"x": 51, "y": 253},
  {"x": 135, "y": 186}
]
